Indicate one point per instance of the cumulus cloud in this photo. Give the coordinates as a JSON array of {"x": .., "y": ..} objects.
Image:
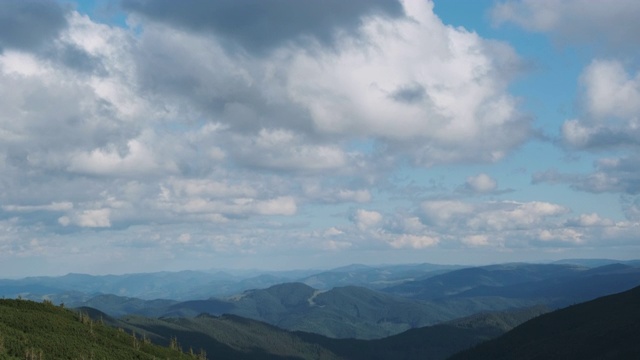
[
  {"x": 504, "y": 225},
  {"x": 442, "y": 108},
  {"x": 96, "y": 218},
  {"x": 471, "y": 220},
  {"x": 481, "y": 183},
  {"x": 611, "y": 101},
  {"x": 136, "y": 158},
  {"x": 610, "y": 104},
  {"x": 367, "y": 220}
]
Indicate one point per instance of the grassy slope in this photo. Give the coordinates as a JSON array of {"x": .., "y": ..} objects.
[
  {"x": 39, "y": 329},
  {"x": 604, "y": 328}
]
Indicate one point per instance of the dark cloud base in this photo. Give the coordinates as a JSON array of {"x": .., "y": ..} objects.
[{"x": 262, "y": 25}]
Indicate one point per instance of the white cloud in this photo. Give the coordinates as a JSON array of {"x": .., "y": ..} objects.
[
  {"x": 576, "y": 134},
  {"x": 184, "y": 238},
  {"x": 610, "y": 91},
  {"x": 462, "y": 78},
  {"x": 283, "y": 205},
  {"x": 334, "y": 245},
  {"x": 209, "y": 188},
  {"x": 360, "y": 196},
  {"x": 137, "y": 158},
  {"x": 333, "y": 231},
  {"x": 514, "y": 215},
  {"x": 413, "y": 241},
  {"x": 481, "y": 183},
  {"x": 97, "y": 218},
  {"x": 449, "y": 215},
  {"x": 286, "y": 150},
  {"x": 64, "y": 220},
  {"x": 561, "y": 235},
  {"x": 367, "y": 220},
  {"x": 589, "y": 220},
  {"x": 20, "y": 63},
  {"x": 315, "y": 191},
  {"x": 54, "y": 206},
  {"x": 441, "y": 212},
  {"x": 476, "y": 240},
  {"x": 609, "y": 121}
]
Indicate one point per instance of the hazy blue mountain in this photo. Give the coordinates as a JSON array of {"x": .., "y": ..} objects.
[
  {"x": 374, "y": 277},
  {"x": 459, "y": 281},
  {"x": 171, "y": 285},
  {"x": 196, "y": 285},
  {"x": 183, "y": 285},
  {"x": 604, "y": 328},
  {"x": 566, "y": 290},
  {"x": 597, "y": 262}
]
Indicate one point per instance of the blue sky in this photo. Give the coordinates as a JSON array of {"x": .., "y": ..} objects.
[{"x": 142, "y": 136}]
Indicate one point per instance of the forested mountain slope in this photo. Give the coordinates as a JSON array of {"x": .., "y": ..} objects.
[{"x": 604, "y": 328}]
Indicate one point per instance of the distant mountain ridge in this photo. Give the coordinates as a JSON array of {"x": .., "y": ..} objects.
[{"x": 197, "y": 285}]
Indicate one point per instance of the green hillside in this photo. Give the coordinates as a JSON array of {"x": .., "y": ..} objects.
[
  {"x": 604, "y": 328},
  {"x": 30, "y": 330}
]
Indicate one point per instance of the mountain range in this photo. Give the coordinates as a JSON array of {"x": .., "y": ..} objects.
[
  {"x": 428, "y": 296},
  {"x": 604, "y": 328}
]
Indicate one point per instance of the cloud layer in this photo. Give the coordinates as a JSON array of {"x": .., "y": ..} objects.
[{"x": 192, "y": 131}]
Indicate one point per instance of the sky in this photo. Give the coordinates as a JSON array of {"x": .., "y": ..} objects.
[{"x": 141, "y": 136}]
